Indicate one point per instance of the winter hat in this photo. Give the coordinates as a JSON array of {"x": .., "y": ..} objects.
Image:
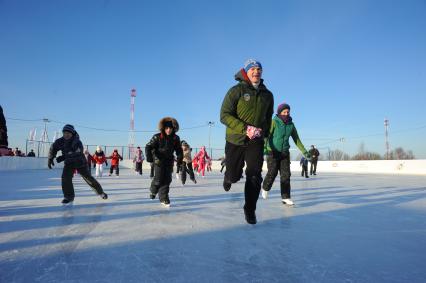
[
  {"x": 281, "y": 107},
  {"x": 184, "y": 143},
  {"x": 99, "y": 149},
  {"x": 250, "y": 63},
  {"x": 168, "y": 124},
  {"x": 69, "y": 128}
]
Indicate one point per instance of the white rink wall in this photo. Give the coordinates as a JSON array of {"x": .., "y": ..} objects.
[{"x": 402, "y": 167}]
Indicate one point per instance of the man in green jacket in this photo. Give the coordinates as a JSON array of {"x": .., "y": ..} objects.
[{"x": 246, "y": 112}]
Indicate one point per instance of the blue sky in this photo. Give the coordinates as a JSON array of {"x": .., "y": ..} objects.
[{"x": 343, "y": 66}]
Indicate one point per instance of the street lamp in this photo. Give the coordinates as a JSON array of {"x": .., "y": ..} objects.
[{"x": 211, "y": 124}]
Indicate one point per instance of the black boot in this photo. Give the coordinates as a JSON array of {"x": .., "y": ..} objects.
[
  {"x": 250, "y": 217},
  {"x": 226, "y": 185}
]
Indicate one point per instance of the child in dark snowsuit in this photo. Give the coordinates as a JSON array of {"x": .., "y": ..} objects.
[
  {"x": 72, "y": 155},
  {"x": 160, "y": 150},
  {"x": 304, "y": 164}
]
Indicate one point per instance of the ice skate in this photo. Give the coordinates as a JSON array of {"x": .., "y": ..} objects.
[
  {"x": 151, "y": 196},
  {"x": 264, "y": 194},
  {"x": 165, "y": 202},
  {"x": 287, "y": 201},
  {"x": 104, "y": 196},
  {"x": 66, "y": 201}
]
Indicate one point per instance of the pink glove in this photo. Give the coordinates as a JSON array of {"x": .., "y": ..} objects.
[{"x": 253, "y": 132}]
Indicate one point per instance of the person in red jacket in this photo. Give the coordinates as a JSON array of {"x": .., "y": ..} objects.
[
  {"x": 115, "y": 160},
  {"x": 100, "y": 159}
]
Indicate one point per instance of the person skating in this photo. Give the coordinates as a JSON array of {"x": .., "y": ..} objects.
[
  {"x": 314, "y": 160},
  {"x": 4, "y": 150},
  {"x": 304, "y": 164},
  {"x": 160, "y": 150},
  {"x": 278, "y": 152},
  {"x": 89, "y": 159},
  {"x": 115, "y": 162},
  {"x": 100, "y": 159},
  {"x": 138, "y": 160},
  {"x": 202, "y": 160},
  {"x": 186, "y": 166},
  {"x": 73, "y": 157},
  {"x": 31, "y": 153},
  {"x": 246, "y": 112}
]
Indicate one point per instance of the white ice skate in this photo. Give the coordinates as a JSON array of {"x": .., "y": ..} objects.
[
  {"x": 165, "y": 204},
  {"x": 66, "y": 202},
  {"x": 177, "y": 176},
  {"x": 287, "y": 201},
  {"x": 264, "y": 194}
]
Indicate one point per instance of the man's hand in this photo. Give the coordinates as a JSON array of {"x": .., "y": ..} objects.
[{"x": 50, "y": 163}]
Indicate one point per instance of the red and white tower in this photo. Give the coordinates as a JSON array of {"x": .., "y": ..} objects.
[{"x": 132, "y": 124}]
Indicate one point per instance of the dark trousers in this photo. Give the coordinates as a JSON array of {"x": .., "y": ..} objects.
[
  {"x": 314, "y": 166},
  {"x": 305, "y": 170},
  {"x": 278, "y": 162},
  {"x": 151, "y": 174},
  {"x": 138, "y": 166},
  {"x": 252, "y": 155},
  {"x": 68, "y": 187},
  {"x": 117, "y": 170},
  {"x": 186, "y": 168},
  {"x": 162, "y": 178}
]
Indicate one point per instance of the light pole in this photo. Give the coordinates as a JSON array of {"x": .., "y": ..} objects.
[{"x": 211, "y": 124}]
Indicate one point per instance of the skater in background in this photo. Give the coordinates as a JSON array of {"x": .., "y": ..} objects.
[
  {"x": 278, "y": 152},
  {"x": 100, "y": 159},
  {"x": 186, "y": 164},
  {"x": 74, "y": 159},
  {"x": 304, "y": 164},
  {"x": 160, "y": 150},
  {"x": 89, "y": 159},
  {"x": 246, "y": 112},
  {"x": 209, "y": 165},
  {"x": 4, "y": 150},
  {"x": 31, "y": 153},
  {"x": 115, "y": 162},
  {"x": 202, "y": 160},
  {"x": 314, "y": 160},
  {"x": 195, "y": 164},
  {"x": 138, "y": 160}
]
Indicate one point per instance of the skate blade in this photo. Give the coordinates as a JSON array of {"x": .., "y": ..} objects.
[{"x": 165, "y": 205}]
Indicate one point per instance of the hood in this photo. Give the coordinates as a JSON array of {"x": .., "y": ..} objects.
[
  {"x": 168, "y": 119},
  {"x": 241, "y": 76}
]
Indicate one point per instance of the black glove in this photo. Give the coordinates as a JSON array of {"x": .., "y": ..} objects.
[
  {"x": 59, "y": 159},
  {"x": 50, "y": 163}
]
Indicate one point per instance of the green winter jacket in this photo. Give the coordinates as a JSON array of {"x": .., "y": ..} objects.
[
  {"x": 279, "y": 137},
  {"x": 243, "y": 105}
]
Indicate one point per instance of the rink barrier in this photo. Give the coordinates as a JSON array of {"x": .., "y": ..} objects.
[{"x": 402, "y": 167}]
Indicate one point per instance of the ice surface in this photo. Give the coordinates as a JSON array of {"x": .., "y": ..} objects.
[{"x": 344, "y": 228}]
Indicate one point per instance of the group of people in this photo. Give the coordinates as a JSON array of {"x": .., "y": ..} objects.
[
  {"x": 314, "y": 160},
  {"x": 251, "y": 131}
]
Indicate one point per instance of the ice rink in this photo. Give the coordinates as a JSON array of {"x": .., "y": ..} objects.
[{"x": 344, "y": 228}]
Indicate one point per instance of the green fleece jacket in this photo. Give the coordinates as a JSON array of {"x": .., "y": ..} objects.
[
  {"x": 279, "y": 137},
  {"x": 244, "y": 105}
]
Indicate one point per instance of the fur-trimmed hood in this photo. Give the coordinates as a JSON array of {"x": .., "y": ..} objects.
[{"x": 163, "y": 121}]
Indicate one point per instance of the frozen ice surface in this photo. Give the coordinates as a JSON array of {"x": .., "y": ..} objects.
[{"x": 344, "y": 228}]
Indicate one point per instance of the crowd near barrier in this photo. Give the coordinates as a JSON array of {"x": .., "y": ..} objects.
[{"x": 410, "y": 167}]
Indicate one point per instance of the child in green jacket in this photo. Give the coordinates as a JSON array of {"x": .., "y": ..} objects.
[{"x": 278, "y": 154}]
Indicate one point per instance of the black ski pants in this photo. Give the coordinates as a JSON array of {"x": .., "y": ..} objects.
[
  {"x": 138, "y": 167},
  {"x": 278, "y": 162},
  {"x": 117, "y": 169},
  {"x": 313, "y": 167},
  {"x": 68, "y": 187},
  {"x": 252, "y": 155},
  {"x": 161, "y": 182}
]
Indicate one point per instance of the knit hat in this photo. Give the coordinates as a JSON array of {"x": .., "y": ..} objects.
[
  {"x": 168, "y": 124},
  {"x": 69, "y": 128},
  {"x": 281, "y": 107},
  {"x": 250, "y": 63}
]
